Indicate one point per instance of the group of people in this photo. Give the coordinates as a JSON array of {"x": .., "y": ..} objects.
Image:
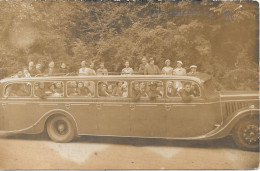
[{"x": 147, "y": 67}]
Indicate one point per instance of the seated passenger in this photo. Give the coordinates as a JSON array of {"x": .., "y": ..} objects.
[
  {"x": 124, "y": 90},
  {"x": 89, "y": 89},
  {"x": 72, "y": 88},
  {"x": 186, "y": 93},
  {"x": 159, "y": 90},
  {"x": 58, "y": 89},
  {"x": 143, "y": 90},
  {"x": 102, "y": 90},
  {"x": 110, "y": 89},
  {"x": 136, "y": 93},
  {"x": 155, "y": 91},
  {"x": 171, "y": 90},
  {"x": 195, "y": 90},
  {"x": 22, "y": 90},
  {"x": 117, "y": 91},
  {"x": 81, "y": 89},
  {"x": 39, "y": 90}
]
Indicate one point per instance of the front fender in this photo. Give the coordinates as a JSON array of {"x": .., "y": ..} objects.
[{"x": 226, "y": 128}]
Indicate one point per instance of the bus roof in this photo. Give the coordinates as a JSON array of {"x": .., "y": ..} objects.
[{"x": 96, "y": 77}]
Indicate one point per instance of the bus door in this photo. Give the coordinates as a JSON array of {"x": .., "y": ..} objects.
[
  {"x": 16, "y": 107},
  {"x": 190, "y": 118},
  {"x": 148, "y": 112},
  {"x": 113, "y": 108}
]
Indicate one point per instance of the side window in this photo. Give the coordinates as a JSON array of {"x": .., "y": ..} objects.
[
  {"x": 18, "y": 90},
  {"x": 175, "y": 88},
  {"x": 113, "y": 89},
  {"x": 49, "y": 89},
  {"x": 147, "y": 89},
  {"x": 80, "y": 88}
]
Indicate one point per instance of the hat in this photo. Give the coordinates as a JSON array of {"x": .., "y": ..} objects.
[
  {"x": 193, "y": 66},
  {"x": 179, "y": 62},
  {"x": 167, "y": 60}
]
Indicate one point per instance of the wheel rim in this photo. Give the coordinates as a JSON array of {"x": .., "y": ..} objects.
[
  {"x": 60, "y": 127},
  {"x": 250, "y": 134}
]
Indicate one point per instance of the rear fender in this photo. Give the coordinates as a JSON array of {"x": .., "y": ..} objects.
[{"x": 39, "y": 126}]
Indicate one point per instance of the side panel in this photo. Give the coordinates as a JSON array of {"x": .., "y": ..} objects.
[
  {"x": 148, "y": 118},
  {"x": 192, "y": 119},
  {"x": 113, "y": 117}
]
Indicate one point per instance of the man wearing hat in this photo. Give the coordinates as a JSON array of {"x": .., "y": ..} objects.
[
  {"x": 179, "y": 70},
  {"x": 151, "y": 69},
  {"x": 193, "y": 71}
]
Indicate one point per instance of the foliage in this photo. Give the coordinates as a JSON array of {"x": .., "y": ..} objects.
[{"x": 221, "y": 38}]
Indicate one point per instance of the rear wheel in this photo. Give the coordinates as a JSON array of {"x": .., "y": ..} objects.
[
  {"x": 60, "y": 129},
  {"x": 246, "y": 134}
]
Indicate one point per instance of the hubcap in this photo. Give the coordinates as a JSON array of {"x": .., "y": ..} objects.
[
  {"x": 60, "y": 127},
  {"x": 250, "y": 134}
]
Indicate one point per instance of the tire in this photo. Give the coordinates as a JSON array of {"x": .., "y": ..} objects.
[
  {"x": 60, "y": 129},
  {"x": 246, "y": 134}
]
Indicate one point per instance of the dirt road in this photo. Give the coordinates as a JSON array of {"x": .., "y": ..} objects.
[{"x": 36, "y": 152}]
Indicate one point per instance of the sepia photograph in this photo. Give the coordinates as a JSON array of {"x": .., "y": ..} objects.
[{"x": 129, "y": 84}]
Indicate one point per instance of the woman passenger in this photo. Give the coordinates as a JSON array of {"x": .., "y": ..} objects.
[{"x": 167, "y": 70}]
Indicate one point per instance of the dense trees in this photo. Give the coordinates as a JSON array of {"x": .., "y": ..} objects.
[{"x": 220, "y": 37}]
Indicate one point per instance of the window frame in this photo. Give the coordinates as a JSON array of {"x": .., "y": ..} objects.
[
  {"x": 146, "y": 98},
  {"x": 178, "y": 97},
  {"x": 9, "y": 83},
  {"x": 89, "y": 97},
  {"x": 113, "y": 96},
  {"x": 49, "y": 97}
]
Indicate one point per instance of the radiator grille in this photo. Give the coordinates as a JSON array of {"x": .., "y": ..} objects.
[{"x": 231, "y": 107}]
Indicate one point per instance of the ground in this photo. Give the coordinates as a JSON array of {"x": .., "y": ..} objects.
[{"x": 89, "y": 152}]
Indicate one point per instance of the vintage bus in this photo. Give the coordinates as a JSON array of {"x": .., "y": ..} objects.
[{"x": 127, "y": 106}]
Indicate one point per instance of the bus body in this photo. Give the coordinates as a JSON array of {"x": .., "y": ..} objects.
[{"x": 70, "y": 106}]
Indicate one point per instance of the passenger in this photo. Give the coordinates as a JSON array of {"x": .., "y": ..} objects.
[
  {"x": 124, "y": 90},
  {"x": 38, "y": 69},
  {"x": 51, "y": 70},
  {"x": 26, "y": 73},
  {"x": 31, "y": 68},
  {"x": 186, "y": 93},
  {"x": 72, "y": 90},
  {"x": 110, "y": 89},
  {"x": 89, "y": 89},
  {"x": 58, "y": 89},
  {"x": 19, "y": 74},
  {"x": 103, "y": 90},
  {"x": 151, "y": 69},
  {"x": 167, "y": 70},
  {"x": 193, "y": 71},
  {"x": 102, "y": 70},
  {"x": 127, "y": 70},
  {"x": 39, "y": 90},
  {"x": 142, "y": 66},
  {"x": 159, "y": 90},
  {"x": 179, "y": 70},
  {"x": 171, "y": 90},
  {"x": 91, "y": 70},
  {"x": 136, "y": 93},
  {"x": 83, "y": 70},
  {"x": 81, "y": 89},
  {"x": 153, "y": 92},
  {"x": 143, "y": 90},
  {"x": 63, "y": 70},
  {"x": 195, "y": 90},
  {"x": 117, "y": 91}
]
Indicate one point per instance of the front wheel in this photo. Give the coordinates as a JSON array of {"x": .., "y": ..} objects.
[
  {"x": 246, "y": 134},
  {"x": 60, "y": 129}
]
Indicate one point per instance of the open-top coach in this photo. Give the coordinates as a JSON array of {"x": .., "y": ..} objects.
[{"x": 128, "y": 106}]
